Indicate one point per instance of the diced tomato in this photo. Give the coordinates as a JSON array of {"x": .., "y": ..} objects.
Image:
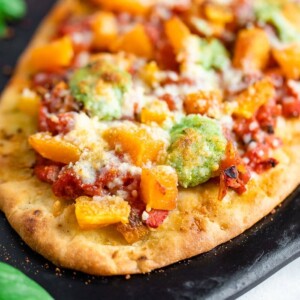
[
  {"x": 68, "y": 185},
  {"x": 291, "y": 107},
  {"x": 259, "y": 159},
  {"x": 168, "y": 98},
  {"x": 80, "y": 32},
  {"x": 164, "y": 52},
  {"x": 165, "y": 56},
  {"x": 56, "y": 124},
  {"x": 234, "y": 173},
  {"x": 59, "y": 100},
  {"x": 267, "y": 115},
  {"x": 181, "y": 6},
  {"x": 48, "y": 80},
  {"x": 47, "y": 174},
  {"x": 244, "y": 126},
  {"x": 46, "y": 170},
  {"x": 156, "y": 218}
]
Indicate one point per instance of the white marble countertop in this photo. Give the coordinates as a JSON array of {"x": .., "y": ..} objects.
[{"x": 283, "y": 285}]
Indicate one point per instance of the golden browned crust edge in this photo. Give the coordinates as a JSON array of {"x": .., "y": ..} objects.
[{"x": 200, "y": 222}]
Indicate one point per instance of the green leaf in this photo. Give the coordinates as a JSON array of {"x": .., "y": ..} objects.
[
  {"x": 13, "y": 9},
  {"x": 3, "y": 28},
  {"x": 15, "y": 285}
]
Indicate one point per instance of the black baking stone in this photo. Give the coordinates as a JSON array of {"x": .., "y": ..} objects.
[{"x": 226, "y": 272}]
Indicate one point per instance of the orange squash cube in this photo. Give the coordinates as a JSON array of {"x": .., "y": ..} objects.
[
  {"x": 203, "y": 102},
  {"x": 250, "y": 100},
  {"x": 219, "y": 14},
  {"x": 149, "y": 73},
  {"x": 136, "y": 41},
  {"x": 136, "y": 7},
  {"x": 58, "y": 53},
  {"x": 252, "y": 49},
  {"x": 136, "y": 141},
  {"x": 159, "y": 187},
  {"x": 177, "y": 32},
  {"x": 93, "y": 214},
  {"x": 29, "y": 102},
  {"x": 54, "y": 149},
  {"x": 291, "y": 11},
  {"x": 105, "y": 29},
  {"x": 288, "y": 59},
  {"x": 156, "y": 111}
]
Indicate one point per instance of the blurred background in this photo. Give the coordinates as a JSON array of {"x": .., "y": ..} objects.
[{"x": 18, "y": 32}]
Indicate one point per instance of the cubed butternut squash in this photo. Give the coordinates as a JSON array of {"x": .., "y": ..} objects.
[
  {"x": 29, "y": 102},
  {"x": 291, "y": 10},
  {"x": 159, "y": 187},
  {"x": 252, "y": 49},
  {"x": 156, "y": 111},
  {"x": 136, "y": 7},
  {"x": 177, "y": 33},
  {"x": 250, "y": 100},
  {"x": 132, "y": 233},
  {"x": 203, "y": 102},
  {"x": 135, "y": 41},
  {"x": 288, "y": 59},
  {"x": 219, "y": 14},
  {"x": 91, "y": 214},
  {"x": 56, "y": 54},
  {"x": 105, "y": 29},
  {"x": 53, "y": 148},
  {"x": 149, "y": 73},
  {"x": 135, "y": 141}
]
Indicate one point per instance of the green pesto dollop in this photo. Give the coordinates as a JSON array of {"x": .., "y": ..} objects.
[
  {"x": 212, "y": 54},
  {"x": 271, "y": 12},
  {"x": 197, "y": 148},
  {"x": 100, "y": 87}
]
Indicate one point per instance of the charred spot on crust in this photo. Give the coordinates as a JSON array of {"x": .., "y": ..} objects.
[
  {"x": 114, "y": 255},
  {"x": 6, "y": 136},
  {"x": 37, "y": 212},
  {"x": 142, "y": 258},
  {"x": 30, "y": 224}
]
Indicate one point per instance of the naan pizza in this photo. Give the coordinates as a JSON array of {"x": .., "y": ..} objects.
[{"x": 137, "y": 133}]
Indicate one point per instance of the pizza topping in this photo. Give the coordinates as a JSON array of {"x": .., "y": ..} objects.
[
  {"x": 136, "y": 41},
  {"x": 159, "y": 187},
  {"x": 288, "y": 60},
  {"x": 156, "y": 218},
  {"x": 234, "y": 173},
  {"x": 136, "y": 141},
  {"x": 55, "y": 55},
  {"x": 133, "y": 231},
  {"x": 272, "y": 13},
  {"x": 253, "y": 98},
  {"x": 105, "y": 29},
  {"x": 54, "y": 148},
  {"x": 197, "y": 147},
  {"x": 177, "y": 33},
  {"x": 204, "y": 103},
  {"x": 252, "y": 50},
  {"x": 102, "y": 212},
  {"x": 100, "y": 87},
  {"x": 188, "y": 93}
]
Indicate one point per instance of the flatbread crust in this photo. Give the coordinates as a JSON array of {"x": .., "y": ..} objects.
[{"x": 200, "y": 222}]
